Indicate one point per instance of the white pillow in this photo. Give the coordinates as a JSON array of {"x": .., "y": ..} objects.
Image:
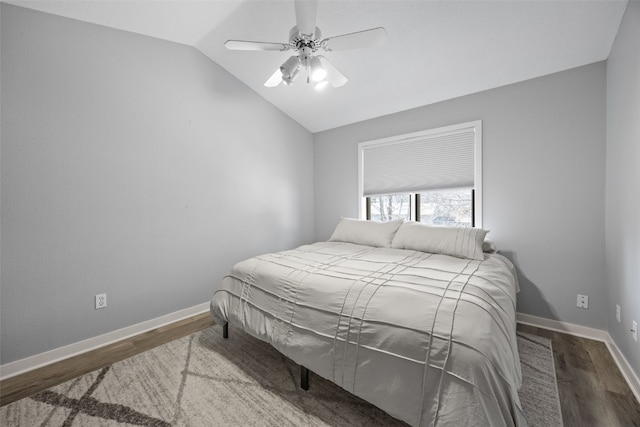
[
  {"x": 461, "y": 242},
  {"x": 363, "y": 232}
]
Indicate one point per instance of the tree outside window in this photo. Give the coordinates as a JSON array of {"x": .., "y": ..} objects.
[
  {"x": 450, "y": 207},
  {"x": 446, "y": 207},
  {"x": 390, "y": 207}
]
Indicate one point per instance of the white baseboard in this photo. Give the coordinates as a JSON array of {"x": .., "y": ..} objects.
[
  {"x": 567, "y": 328},
  {"x": 21, "y": 366},
  {"x": 595, "y": 334}
]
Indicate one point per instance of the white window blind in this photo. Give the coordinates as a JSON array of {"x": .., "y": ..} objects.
[
  {"x": 446, "y": 157},
  {"x": 436, "y": 159}
]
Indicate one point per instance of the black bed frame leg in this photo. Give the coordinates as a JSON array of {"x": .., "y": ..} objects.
[
  {"x": 225, "y": 330},
  {"x": 304, "y": 378}
]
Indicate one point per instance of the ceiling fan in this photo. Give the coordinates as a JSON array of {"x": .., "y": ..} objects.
[{"x": 305, "y": 39}]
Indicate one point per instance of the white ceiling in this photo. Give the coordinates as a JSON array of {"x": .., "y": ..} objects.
[{"x": 437, "y": 50}]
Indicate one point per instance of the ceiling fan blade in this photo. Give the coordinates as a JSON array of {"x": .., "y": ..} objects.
[
  {"x": 334, "y": 76},
  {"x": 249, "y": 45},
  {"x": 367, "y": 38},
  {"x": 306, "y": 11},
  {"x": 275, "y": 79}
]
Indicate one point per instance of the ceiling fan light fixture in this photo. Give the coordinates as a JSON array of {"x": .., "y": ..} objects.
[
  {"x": 289, "y": 80},
  {"x": 318, "y": 73},
  {"x": 290, "y": 68}
]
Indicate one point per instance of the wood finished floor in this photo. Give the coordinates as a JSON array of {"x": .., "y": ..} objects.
[{"x": 592, "y": 390}]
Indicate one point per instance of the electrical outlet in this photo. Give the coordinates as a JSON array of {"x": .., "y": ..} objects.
[
  {"x": 634, "y": 330},
  {"x": 618, "y": 313},
  {"x": 101, "y": 301},
  {"x": 583, "y": 301}
]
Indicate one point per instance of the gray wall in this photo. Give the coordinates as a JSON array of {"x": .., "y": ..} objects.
[
  {"x": 622, "y": 183},
  {"x": 543, "y": 172},
  {"x": 133, "y": 167}
]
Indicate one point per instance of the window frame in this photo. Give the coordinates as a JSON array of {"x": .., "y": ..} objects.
[
  {"x": 397, "y": 139},
  {"x": 414, "y": 207}
]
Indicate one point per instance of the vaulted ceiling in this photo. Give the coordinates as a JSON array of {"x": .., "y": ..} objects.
[{"x": 436, "y": 50}]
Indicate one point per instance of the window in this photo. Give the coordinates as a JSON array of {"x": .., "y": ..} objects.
[
  {"x": 389, "y": 207},
  {"x": 434, "y": 176},
  {"x": 451, "y": 207},
  {"x": 446, "y": 207}
]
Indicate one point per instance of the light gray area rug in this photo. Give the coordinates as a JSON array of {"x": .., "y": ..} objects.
[
  {"x": 539, "y": 391},
  {"x": 205, "y": 380}
]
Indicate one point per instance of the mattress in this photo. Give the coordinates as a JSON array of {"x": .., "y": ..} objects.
[{"x": 428, "y": 338}]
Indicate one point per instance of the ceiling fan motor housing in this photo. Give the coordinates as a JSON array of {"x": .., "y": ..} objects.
[{"x": 299, "y": 41}]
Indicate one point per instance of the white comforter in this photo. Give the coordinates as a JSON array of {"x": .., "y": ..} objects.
[{"x": 430, "y": 339}]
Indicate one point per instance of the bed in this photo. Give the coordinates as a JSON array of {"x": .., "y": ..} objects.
[{"x": 416, "y": 320}]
